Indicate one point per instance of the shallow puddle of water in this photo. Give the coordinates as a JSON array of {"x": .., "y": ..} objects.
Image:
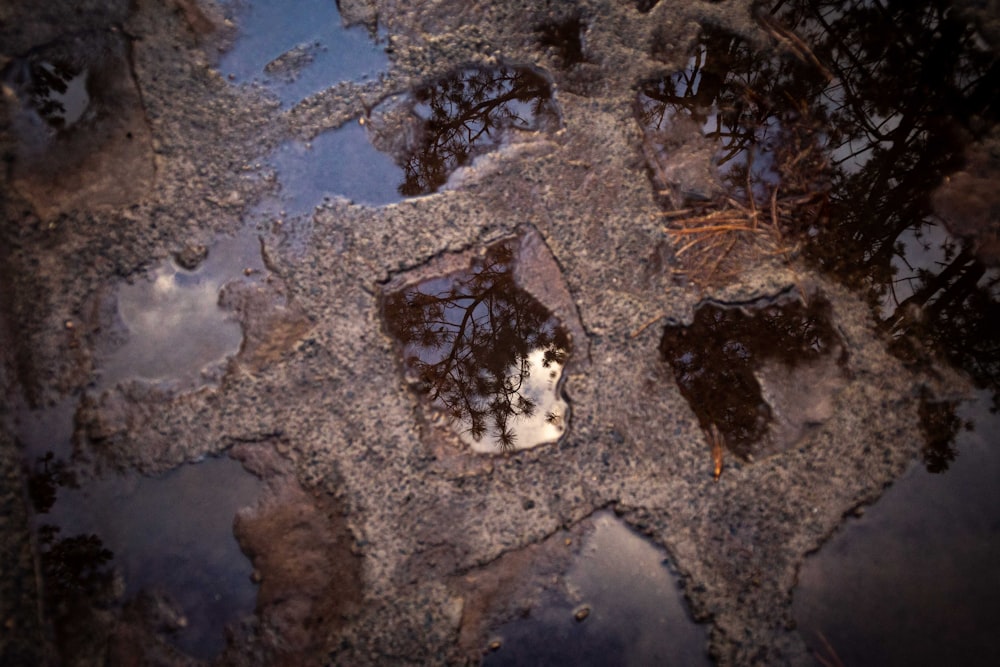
[
  {"x": 336, "y": 163},
  {"x": 447, "y": 122},
  {"x": 299, "y": 48},
  {"x": 80, "y": 139},
  {"x": 175, "y": 326},
  {"x": 106, "y": 542},
  {"x": 622, "y": 606},
  {"x": 759, "y": 375},
  {"x": 842, "y": 134},
  {"x": 483, "y": 352},
  {"x": 171, "y": 534},
  {"x": 914, "y": 580}
]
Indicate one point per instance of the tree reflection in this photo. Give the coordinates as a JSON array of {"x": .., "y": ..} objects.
[
  {"x": 868, "y": 105},
  {"x": 469, "y": 338},
  {"x": 44, "y": 481},
  {"x": 565, "y": 38},
  {"x": 466, "y": 114},
  {"x": 45, "y": 85},
  {"x": 716, "y": 357},
  {"x": 940, "y": 425}
]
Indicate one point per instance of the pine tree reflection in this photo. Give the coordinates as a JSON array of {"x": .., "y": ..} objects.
[
  {"x": 876, "y": 102},
  {"x": 715, "y": 358},
  {"x": 940, "y": 425},
  {"x": 469, "y": 340},
  {"x": 466, "y": 114},
  {"x": 44, "y": 481}
]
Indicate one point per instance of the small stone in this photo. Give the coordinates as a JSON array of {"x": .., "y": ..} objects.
[
  {"x": 495, "y": 645},
  {"x": 69, "y": 324},
  {"x": 256, "y": 577},
  {"x": 581, "y": 614},
  {"x": 191, "y": 256}
]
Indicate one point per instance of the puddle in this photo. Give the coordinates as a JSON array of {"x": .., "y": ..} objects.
[
  {"x": 842, "y": 144},
  {"x": 621, "y": 605},
  {"x": 723, "y": 93},
  {"x": 339, "y": 162},
  {"x": 299, "y": 48},
  {"x": 160, "y": 548},
  {"x": 81, "y": 140},
  {"x": 57, "y": 91},
  {"x": 482, "y": 351},
  {"x": 759, "y": 375},
  {"x": 565, "y": 39},
  {"x": 913, "y": 581},
  {"x": 443, "y": 125},
  {"x": 175, "y": 329},
  {"x": 413, "y": 143}
]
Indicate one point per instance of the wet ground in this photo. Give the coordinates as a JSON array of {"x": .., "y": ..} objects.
[{"x": 470, "y": 332}]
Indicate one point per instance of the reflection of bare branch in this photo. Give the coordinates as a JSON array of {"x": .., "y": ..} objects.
[
  {"x": 469, "y": 344},
  {"x": 854, "y": 157},
  {"x": 467, "y": 114}
]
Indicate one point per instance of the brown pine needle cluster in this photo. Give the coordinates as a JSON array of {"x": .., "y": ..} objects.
[{"x": 714, "y": 243}]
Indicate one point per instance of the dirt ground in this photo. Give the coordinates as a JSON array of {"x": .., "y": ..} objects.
[{"x": 388, "y": 517}]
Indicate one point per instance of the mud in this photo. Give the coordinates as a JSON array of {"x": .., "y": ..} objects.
[{"x": 316, "y": 382}]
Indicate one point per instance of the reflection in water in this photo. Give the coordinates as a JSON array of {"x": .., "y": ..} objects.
[
  {"x": 175, "y": 325},
  {"x": 722, "y": 359},
  {"x": 846, "y": 134},
  {"x": 913, "y": 581},
  {"x": 941, "y": 425},
  {"x": 299, "y": 48},
  {"x": 57, "y": 91},
  {"x": 485, "y": 352},
  {"x": 636, "y": 614},
  {"x": 565, "y": 38},
  {"x": 109, "y": 541},
  {"x": 469, "y": 113},
  {"x": 340, "y": 162}
]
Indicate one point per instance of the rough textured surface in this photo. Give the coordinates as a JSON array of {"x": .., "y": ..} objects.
[{"x": 316, "y": 380}]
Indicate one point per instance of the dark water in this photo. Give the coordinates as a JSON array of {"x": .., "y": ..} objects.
[
  {"x": 298, "y": 48},
  {"x": 565, "y": 38},
  {"x": 171, "y": 534},
  {"x": 914, "y": 581},
  {"x": 634, "y": 612},
  {"x": 483, "y": 352},
  {"x": 845, "y": 132},
  {"x": 719, "y": 358},
  {"x": 119, "y": 540}
]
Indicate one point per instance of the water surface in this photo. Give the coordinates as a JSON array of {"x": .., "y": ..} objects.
[{"x": 622, "y": 607}]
